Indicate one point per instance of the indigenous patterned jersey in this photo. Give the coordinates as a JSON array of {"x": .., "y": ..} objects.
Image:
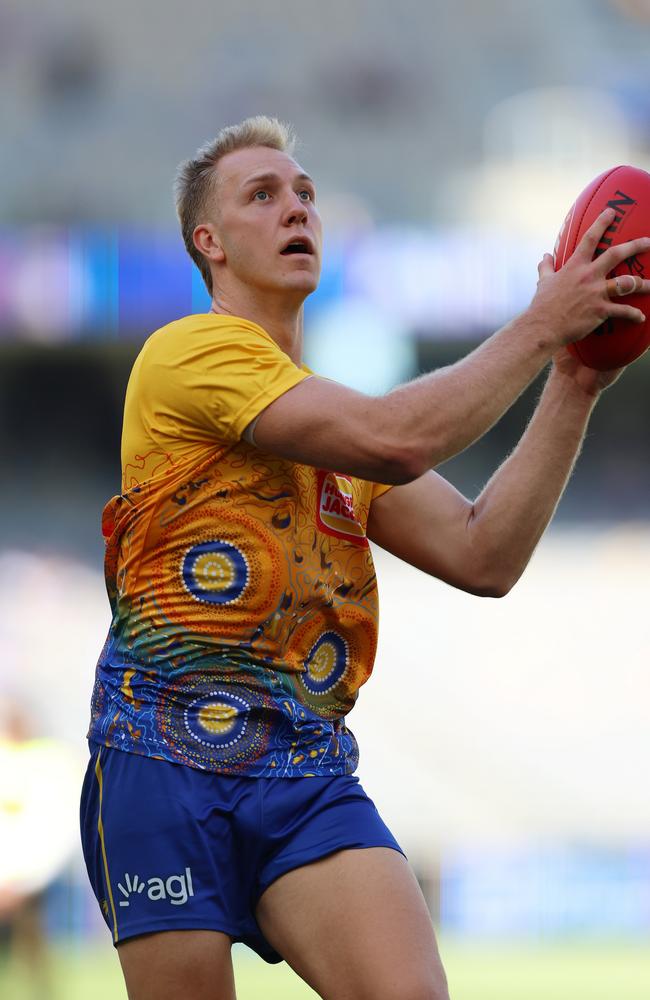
[{"x": 241, "y": 584}]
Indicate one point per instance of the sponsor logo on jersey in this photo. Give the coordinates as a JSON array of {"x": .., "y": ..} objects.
[
  {"x": 176, "y": 889},
  {"x": 335, "y": 512}
]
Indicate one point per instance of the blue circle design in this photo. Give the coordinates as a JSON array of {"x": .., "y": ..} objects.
[
  {"x": 217, "y": 719},
  {"x": 215, "y": 572},
  {"x": 326, "y": 663},
  {"x": 215, "y": 723}
]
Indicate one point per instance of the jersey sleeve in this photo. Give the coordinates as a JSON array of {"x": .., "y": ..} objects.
[{"x": 217, "y": 380}]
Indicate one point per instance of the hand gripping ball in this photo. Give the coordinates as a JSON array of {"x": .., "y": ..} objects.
[{"x": 616, "y": 342}]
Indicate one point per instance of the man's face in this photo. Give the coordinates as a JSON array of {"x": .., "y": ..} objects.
[{"x": 266, "y": 221}]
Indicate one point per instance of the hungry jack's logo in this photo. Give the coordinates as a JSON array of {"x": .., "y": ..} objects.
[{"x": 335, "y": 508}]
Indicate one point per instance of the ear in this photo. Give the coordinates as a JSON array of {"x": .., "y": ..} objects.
[{"x": 206, "y": 241}]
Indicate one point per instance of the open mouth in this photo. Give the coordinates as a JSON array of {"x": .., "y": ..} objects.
[{"x": 297, "y": 246}]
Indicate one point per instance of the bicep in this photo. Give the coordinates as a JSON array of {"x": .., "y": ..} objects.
[
  {"x": 331, "y": 426},
  {"x": 427, "y": 524}
]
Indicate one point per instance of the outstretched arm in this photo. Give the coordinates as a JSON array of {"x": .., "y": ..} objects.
[
  {"x": 484, "y": 547},
  {"x": 395, "y": 438}
]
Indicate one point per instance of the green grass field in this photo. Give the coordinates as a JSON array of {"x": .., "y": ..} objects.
[{"x": 548, "y": 972}]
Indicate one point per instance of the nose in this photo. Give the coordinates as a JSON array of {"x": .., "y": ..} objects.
[{"x": 295, "y": 211}]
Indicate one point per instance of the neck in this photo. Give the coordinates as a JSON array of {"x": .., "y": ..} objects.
[{"x": 281, "y": 319}]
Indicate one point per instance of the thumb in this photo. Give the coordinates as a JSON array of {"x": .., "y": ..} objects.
[{"x": 546, "y": 266}]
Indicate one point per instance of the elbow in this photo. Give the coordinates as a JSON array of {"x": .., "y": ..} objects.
[
  {"x": 493, "y": 565},
  {"x": 495, "y": 589},
  {"x": 492, "y": 580},
  {"x": 401, "y": 464},
  {"x": 411, "y": 461},
  {"x": 395, "y": 448}
]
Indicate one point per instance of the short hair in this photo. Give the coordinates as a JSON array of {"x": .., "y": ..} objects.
[{"x": 195, "y": 178}]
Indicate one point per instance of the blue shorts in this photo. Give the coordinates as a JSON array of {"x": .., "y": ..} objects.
[{"x": 169, "y": 847}]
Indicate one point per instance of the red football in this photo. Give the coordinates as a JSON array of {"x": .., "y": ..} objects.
[{"x": 627, "y": 190}]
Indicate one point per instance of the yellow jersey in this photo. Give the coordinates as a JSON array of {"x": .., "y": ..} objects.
[{"x": 242, "y": 585}]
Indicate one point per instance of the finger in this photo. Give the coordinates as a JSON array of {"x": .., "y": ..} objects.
[
  {"x": 616, "y": 255},
  {"x": 626, "y": 312},
  {"x": 625, "y": 284},
  {"x": 587, "y": 246},
  {"x": 546, "y": 266}
]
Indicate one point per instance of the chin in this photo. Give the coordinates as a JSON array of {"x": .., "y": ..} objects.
[
  {"x": 305, "y": 283},
  {"x": 310, "y": 284}
]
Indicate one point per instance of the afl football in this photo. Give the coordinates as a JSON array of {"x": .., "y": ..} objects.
[{"x": 616, "y": 342}]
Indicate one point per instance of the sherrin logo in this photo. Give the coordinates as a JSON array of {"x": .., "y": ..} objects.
[
  {"x": 335, "y": 511},
  {"x": 176, "y": 888}
]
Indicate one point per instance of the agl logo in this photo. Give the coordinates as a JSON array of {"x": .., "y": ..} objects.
[{"x": 176, "y": 888}]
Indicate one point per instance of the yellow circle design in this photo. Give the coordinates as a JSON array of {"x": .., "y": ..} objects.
[
  {"x": 214, "y": 571},
  {"x": 217, "y": 717},
  {"x": 323, "y": 662}
]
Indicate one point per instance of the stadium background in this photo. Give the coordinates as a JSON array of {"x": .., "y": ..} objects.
[{"x": 505, "y": 742}]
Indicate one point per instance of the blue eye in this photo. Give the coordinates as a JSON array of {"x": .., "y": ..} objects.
[
  {"x": 304, "y": 195},
  {"x": 261, "y": 195}
]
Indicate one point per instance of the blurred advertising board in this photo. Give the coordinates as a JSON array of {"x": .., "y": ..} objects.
[
  {"x": 553, "y": 892},
  {"x": 69, "y": 283}
]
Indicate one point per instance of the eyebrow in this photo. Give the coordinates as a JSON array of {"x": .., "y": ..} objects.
[{"x": 268, "y": 176}]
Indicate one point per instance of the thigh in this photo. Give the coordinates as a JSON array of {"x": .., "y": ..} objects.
[
  {"x": 355, "y": 926},
  {"x": 195, "y": 965}
]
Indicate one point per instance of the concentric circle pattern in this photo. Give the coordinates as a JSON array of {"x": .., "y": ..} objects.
[
  {"x": 218, "y": 718},
  {"x": 224, "y": 724},
  {"x": 332, "y": 655},
  {"x": 219, "y": 572},
  {"x": 326, "y": 663},
  {"x": 215, "y": 572}
]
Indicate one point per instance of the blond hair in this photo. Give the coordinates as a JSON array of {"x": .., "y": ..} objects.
[{"x": 195, "y": 178}]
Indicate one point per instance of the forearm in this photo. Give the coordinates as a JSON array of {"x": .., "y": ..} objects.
[
  {"x": 511, "y": 514},
  {"x": 442, "y": 413}
]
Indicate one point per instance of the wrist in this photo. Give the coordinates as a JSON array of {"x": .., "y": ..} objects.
[
  {"x": 538, "y": 329},
  {"x": 566, "y": 385}
]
